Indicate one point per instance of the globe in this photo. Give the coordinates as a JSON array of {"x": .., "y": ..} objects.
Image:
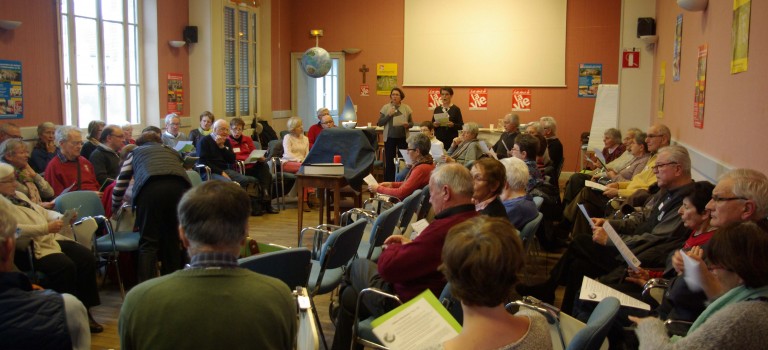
[{"x": 316, "y": 62}]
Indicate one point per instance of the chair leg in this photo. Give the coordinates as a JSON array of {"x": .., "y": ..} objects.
[
  {"x": 317, "y": 320},
  {"x": 119, "y": 277}
]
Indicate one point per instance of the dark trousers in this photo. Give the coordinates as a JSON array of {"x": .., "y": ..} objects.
[
  {"x": 594, "y": 202},
  {"x": 158, "y": 223},
  {"x": 260, "y": 171},
  {"x": 574, "y": 186},
  {"x": 72, "y": 271},
  {"x": 391, "y": 149}
]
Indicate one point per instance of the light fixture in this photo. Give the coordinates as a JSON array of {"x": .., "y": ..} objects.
[
  {"x": 315, "y": 32},
  {"x": 177, "y": 43},
  {"x": 692, "y": 5},
  {"x": 649, "y": 39},
  {"x": 351, "y": 51},
  {"x": 9, "y": 25}
]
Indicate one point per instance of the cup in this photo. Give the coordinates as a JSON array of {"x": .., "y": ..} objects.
[
  {"x": 337, "y": 159},
  {"x": 369, "y": 125},
  {"x": 491, "y": 127}
]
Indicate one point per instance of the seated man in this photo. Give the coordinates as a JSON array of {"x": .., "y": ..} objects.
[
  {"x": 243, "y": 145},
  {"x": 503, "y": 147},
  {"x": 171, "y": 136},
  {"x": 660, "y": 224},
  {"x": 525, "y": 149},
  {"x": 34, "y": 319},
  {"x": 519, "y": 206},
  {"x": 249, "y": 310},
  {"x": 68, "y": 168},
  {"x": 105, "y": 159},
  {"x": 408, "y": 267},
  {"x": 325, "y": 121}
]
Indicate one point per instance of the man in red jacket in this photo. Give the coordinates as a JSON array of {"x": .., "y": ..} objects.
[{"x": 408, "y": 267}]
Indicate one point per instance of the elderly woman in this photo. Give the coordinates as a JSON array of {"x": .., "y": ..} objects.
[
  {"x": 734, "y": 280},
  {"x": 418, "y": 175},
  {"x": 206, "y": 120},
  {"x": 128, "y": 131},
  {"x": 553, "y": 167},
  {"x": 518, "y": 205},
  {"x": 466, "y": 148},
  {"x": 481, "y": 261},
  {"x": 95, "y": 128},
  {"x": 447, "y": 131},
  {"x": 31, "y": 184},
  {"x": 45, "y": 148},
  {"x": 295, "y": 146},
  {"x": 396, "y": 118},
  {"x": 488, "y": 179},
  {"x": 243, "y": 145},
  {"x": 639, "y": 150},
  {"x": 68, "y": 266}
]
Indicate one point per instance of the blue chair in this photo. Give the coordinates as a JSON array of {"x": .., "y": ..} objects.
[
  {"x": 452, "y": 304},
  {"x": 425, "y": 204},
  {"x": 593, "y": 335},
  {"x": 528, "y": 231},
  {"x": 382, "y": 228},
  {"x": 194, "y": 178},
  {"x": 410, "y": 205},
  {"x": 291, "y": 265}
]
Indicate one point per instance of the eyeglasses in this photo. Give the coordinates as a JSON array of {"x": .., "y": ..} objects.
[
  {"x": 650, "y": 136},
  {"x": 718, "y": 199},
  {"x": 479, "y": 179},
  {"x": 658, "y": 166},
  {"x": 328, "y": 122},
  {"x": 237, "y": 129},
  {"x": 75, "y": 143}
]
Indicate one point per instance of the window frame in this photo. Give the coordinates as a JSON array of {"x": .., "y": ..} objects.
[{"x": 253, "y": 42}]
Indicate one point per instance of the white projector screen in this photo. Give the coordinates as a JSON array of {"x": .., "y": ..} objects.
[{"x": 484, "y": 43}]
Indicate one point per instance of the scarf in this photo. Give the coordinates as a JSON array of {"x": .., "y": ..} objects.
[
  {"x": 203, "y": 132},
  {"x": 735, "y": 295},
  {"x": 422, "y": 160},
  {"x": 18, "y": 201},
  {"x": 29, "y": 182}
]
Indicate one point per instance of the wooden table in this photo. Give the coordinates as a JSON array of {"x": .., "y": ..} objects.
[{"x": 324, "y": 183}]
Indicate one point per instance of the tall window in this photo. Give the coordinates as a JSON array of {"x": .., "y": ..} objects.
[
  {"x": 327, "y": 89},
  {"x": 240, "y": 79},
  {"x": 100, "y": 55}
]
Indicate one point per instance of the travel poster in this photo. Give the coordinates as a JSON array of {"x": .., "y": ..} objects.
[
  {"x": 386, "y": 78},
  {"x": 740, "y": 35},
  {"x": 175, "y": 93},
  {"x": 11, "y": 94},
  {"x": 590, "y": 76},
  {"x": 701, "y": 85}
]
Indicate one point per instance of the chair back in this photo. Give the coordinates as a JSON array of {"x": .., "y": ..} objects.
[
  {"x": 530, "y": 228},
  {"x": 341, "y": 246},
  {"x": 452, "y": 304},
  {"x": 283, "y": 133},
  {"x": 383, "y": 227},
  {"x": 592, "y": 336},
  {"x": 410, "y": 205},
  {"x": 538, "y": 200},
  {"x": 425, "y": 205},
  {"x": 275, "y": 148},
  {"x": 194, "y": 178},
  {"x": 87, "y": 203},
  {"x": 289, "y": 265}
]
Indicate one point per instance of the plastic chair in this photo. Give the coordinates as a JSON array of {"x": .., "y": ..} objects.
[
  {"x": 410, "y": 205},
  {"x": 593, "y": 335},
  {"x": 526, "y": 234},
  {"x": 425, "y": 205},
  {"x": 538, "y": 200},
  {"x": 290, "y": 265},
  {"x": 382, "y": 228},
  {"x": 194, "y": 178},
  {"x": 275, "y": 152}
]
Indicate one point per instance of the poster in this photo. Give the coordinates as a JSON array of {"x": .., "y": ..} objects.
[
  {"x": 701, "y": 87},
  {"x": 365, "y": 90},
  {"x": 677, "y": 47},
  {"x": 11, "y": 94},
  {"x": 662, "y": 86},
  {"x": 521, "y": 100},
  {"x": 740, "y": 35},
  {"x": 386, "y": 78},
  {"x": 590, "y": 76},
  {"x": 433, "y": 98},
  {"x": 175, "y": 93},
  {"x": 478, "y": 99}
]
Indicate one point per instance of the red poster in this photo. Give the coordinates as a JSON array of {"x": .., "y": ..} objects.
[
  {"x": 701, "y": 88},
  {"x": 433, "y": 98},
  {"x": 521, "y": 100},
  {"x": 478, "y": 99},
  {"x": 365, "y": 90},
  {"x": 175, "y": 93}
]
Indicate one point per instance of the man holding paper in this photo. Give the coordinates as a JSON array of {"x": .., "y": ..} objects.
[
  {"x": 660, "y": 225},
  {"x": 503, "y": 146},
  {"x": 395, "y": 117}
]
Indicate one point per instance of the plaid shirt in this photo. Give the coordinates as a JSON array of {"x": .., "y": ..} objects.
[{"x": 206, "y": 260}]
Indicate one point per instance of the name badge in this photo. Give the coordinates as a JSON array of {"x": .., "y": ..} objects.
[{"x": 236, "y": 150}]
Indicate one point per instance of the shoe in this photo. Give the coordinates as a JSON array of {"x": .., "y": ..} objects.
[
  {"x": 95, "y": 327},
  {"x": 543, "y": 291},
  {"x": 269, "y": 209}
]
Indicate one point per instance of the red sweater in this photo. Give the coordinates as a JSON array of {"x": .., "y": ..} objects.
[
  {"x": 417, "y": 179},
  {"x": 243, "y": 148},
  {"x": 63, "y": 174},
  {"x": 412, "y": 267},
  {"x": 314, "y": 130}
]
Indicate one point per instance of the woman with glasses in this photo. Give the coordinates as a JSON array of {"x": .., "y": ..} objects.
[
  {"x": 14, "y": 152},
  {"x": 322, "y": 123},
  {"x": 418, "y": 175},
  {"x": 396, "y": 118},
  {"x": 446, "y": 131},
  {"x": 45, "y": 148},
  {"x": 243, "y": 145},
  {"x": 488, "y": 176},
  {"x": 465, "y": 149}
]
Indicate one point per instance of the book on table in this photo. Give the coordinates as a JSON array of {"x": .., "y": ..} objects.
[{"x": 324, "y": 169}]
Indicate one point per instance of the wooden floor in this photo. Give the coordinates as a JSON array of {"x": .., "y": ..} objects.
[{"x": 280, "y": 229}]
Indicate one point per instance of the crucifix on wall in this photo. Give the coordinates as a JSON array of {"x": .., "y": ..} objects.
[{"x": 363, "y": 70}]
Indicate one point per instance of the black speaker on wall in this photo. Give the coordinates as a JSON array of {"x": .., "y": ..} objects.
[
  {"x": 190, "y": 34},
  {"x": 646, "y": 26}
]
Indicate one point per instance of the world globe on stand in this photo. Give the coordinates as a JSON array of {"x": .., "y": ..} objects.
[{"x": 316, "y": 62}]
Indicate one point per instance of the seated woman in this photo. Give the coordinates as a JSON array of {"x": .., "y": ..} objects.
[
  {"x": 243, "y": 145},
  {"x": 488, "y": 176},
  {"x": 95, "y": 128},
  {"x": 31, "y": 184},
  {"x": 295, "y": 146},
  {"x": 481, "y": 261},
  {"x": 735, "y": 282},
  {"x": 45, "y": 148},
  {"x": 418, "y": 175},
  {"x": 519, "y": 206},
  {"x": 68, "y": 266},
  {"x": 206, "y": 120},
  {"x": 465, "y": 149}
]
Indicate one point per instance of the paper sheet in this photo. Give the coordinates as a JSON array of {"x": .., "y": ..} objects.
[
  {"x": 184, "y": 146},
  {"x": 417, "y": 227},
  {"x": 586, "y": 215},
  {"x": 370, "y": 180},
  {"x": 66, "y": 190},
  {"x": 255, "y": 156},
  {"x": 441, "y": 118},
  {"x": 484, "y": 147},
  {"x": 592, "y": 290},
  {"x": 600, "y": 156},
  {"x": 418, "y": 324},
  {"x": 692, "y": 275},
  {"x": 437, "y": 151},
  {"x": 627, "y": 254},
  {"x": 406, "y": 157},
  {"x": 595, "y": 185},
  {"x": 399, "y": 119}
]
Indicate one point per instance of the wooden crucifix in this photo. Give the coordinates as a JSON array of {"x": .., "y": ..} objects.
[{"x": 363, "y": 70}]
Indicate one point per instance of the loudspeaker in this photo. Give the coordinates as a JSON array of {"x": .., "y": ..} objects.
[
  {"x": 190, "y": 34},
  {"x": 646, "y": 26}
]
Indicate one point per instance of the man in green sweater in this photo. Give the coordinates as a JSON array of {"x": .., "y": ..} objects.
[{"x": 212, "y": 303}]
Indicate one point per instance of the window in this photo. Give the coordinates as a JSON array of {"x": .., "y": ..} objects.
[
  {"x": 308, "y": 94},
  {"x": 100, "y": 58},
  {"x": 240, "y": 52}
]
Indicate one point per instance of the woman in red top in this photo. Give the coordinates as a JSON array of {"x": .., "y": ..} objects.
[
  {"x": 418, "y": 177},
  {"x": 243, "y": 145}
]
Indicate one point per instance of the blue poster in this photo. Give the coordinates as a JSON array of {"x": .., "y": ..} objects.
[
  {"x": 11, "y": 95},
  {"x": 590, "y": 76}
]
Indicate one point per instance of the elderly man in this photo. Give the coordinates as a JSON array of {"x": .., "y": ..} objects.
[
  {"x": 407, "y": 267},
  {"x": 9, "y": 131},
  {"x": 519, "y": 206},
  {"x": 69, "y": 170},
  {"x": 525, "y": 149},
  {"x": 660, "y": 224},
  {"x": 105, "y": 158},
  {"x": 34, "y": 319},
  {"x": 249, "y": 310},
  {"x": 503, "y": 146},
  {"x": 324, "y": 121},
  {"x": 172, "y": 135}
]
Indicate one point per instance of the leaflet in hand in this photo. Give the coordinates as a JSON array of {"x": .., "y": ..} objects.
[
  {"x": 600, "y": 157},
  {"x": 625, "y": 252},
  {"x": 595, "y": 185},
  {"x": 418, "y": 324},
  {"x": 255, "y": 156},
  {"x": 437, "y": 151},
  {"x": 586, "y": 215},
  {"x": 692, "y": 275},
  {"x": 370, "y": 180},
  {"x": 66, "y": 190},
  {"x": 66, "y": 229},
  {"x": 417, "y": 227},
  {"x": 406, "y": 157},
  {"x": 442, "y": 118},
  {"x": 592, "y": 290},
  {"x": 486, "y": 150},
  {"x": 184, "y": 146},
  {"x": 399, "y": 119}
]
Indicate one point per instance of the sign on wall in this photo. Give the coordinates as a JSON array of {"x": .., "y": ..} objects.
[
  {"x": 386, "y": 78},
  {"x": 590, "y": 76},
  {"x": 433, "y": 98},
  {"x": 11, "y": 94},
  {"x": 701, "y": 87},
  {"x": 521, "y": 100},
  {"x": 175, "y": 93},
  {"x": 478, "y": 99}
]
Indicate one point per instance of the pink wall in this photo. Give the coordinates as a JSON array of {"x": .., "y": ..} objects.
[
  {"x": 592, "y": 37},
  {"x": 172, "y": 19},
  {"x": 736, "y": 117},
  {"x": 35, "y": 44}
]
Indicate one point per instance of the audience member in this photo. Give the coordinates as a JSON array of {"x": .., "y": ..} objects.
[
  {"x": 172, "y": 135},
  {"x": 396, "y": 118},
  {"x": 9, "y": 131},
  {"x": 263, "y": 131},
  {"x": 206, "y": 120},
  {"x": 427, "y": 129},
  {"x": 70, "y": 170},
  {"x": 465, "y": 149},
  {"x": 525, "y": 148},
  {"x": 213, "y": 289},
  {"x": 503, "y": 147},
  {"x": 95, "y": 127},
  {"x": 554, "y": 149},
  {"x": 519, "y": 206},
  {"x": 447, "y": 131},
  {"x": 407, "y": 267},
  {"x": 418, "y": 175},
  {"x": 34, "y": 319},
  {"x": 243, "y": 145},
  {"x": 128, "y": 131},
  {"x": 45, "y": 148},
  {"x": 481, "y": 261},
  {"x": 295, "y": 146},
  {"x": 488, "y": 178},
  {"x": 34, "y": 186},
  {"x": 322, "y": 123},
  {"x": 105, "y": 159}
]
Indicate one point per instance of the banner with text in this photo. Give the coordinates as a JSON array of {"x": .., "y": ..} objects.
[
  {"x": 521, "y": 100},
  {"x": 478, "y": 99},
  {"x": 433, "y": 98}
]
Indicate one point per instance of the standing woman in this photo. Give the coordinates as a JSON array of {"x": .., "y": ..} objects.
[
  {"x": 206, "y": 120},
  {"x": 45, "y": 148},
  {"x": 446, "y": 132},
  {"x": 394, "y": 133}
]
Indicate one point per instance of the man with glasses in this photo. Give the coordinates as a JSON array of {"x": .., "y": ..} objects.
[
  {"x": 324, "y": 121},
  {"x": 171, "y": 136},
  {"x": 740, "y": 195},
  {"x": 105, "y": 158},
  {"x": 69, "y": 170},
  {"x": 9, "y": 131}
]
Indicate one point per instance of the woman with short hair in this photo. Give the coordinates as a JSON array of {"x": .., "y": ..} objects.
[
  {"x": 95, "y": 128},
  {"x": 488, "y": 177},
  {"x": 466, "y": 148},
  {"x": 206, "y": 121},
  {"x": 45, "y": 148},
  {"x": 295, "y": 146},
  {"x": 447, "y": 131},
  {"x": 418, "y": 175},
  {"x": 30, "y": 183}
]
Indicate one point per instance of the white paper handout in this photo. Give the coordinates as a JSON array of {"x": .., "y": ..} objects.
[
  {"x": 66, "y": 229},
  {"x": 595, "y": 291},
  {"x": 595, "y": 185},
  {"x": 370, "y": 180},
  {"x": 417, "y": 227},
  {"x": 437, "y": 151},
  {"x": 586, "y": 215},
  {"x": 418, "y": 324},
  {"x": 627, "y": 254},
  {"x": 692, "y": 275},
  {"x": 399, "y": 119},
  {"x": 184, "y": 146},
  {"x": 486, "y": 150},
  {"x": 441, "y": 118},
  {"x": 406, "y": 157},
  {"x": 255, "y": 156},
  {"x": 600, "y": 157}
]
